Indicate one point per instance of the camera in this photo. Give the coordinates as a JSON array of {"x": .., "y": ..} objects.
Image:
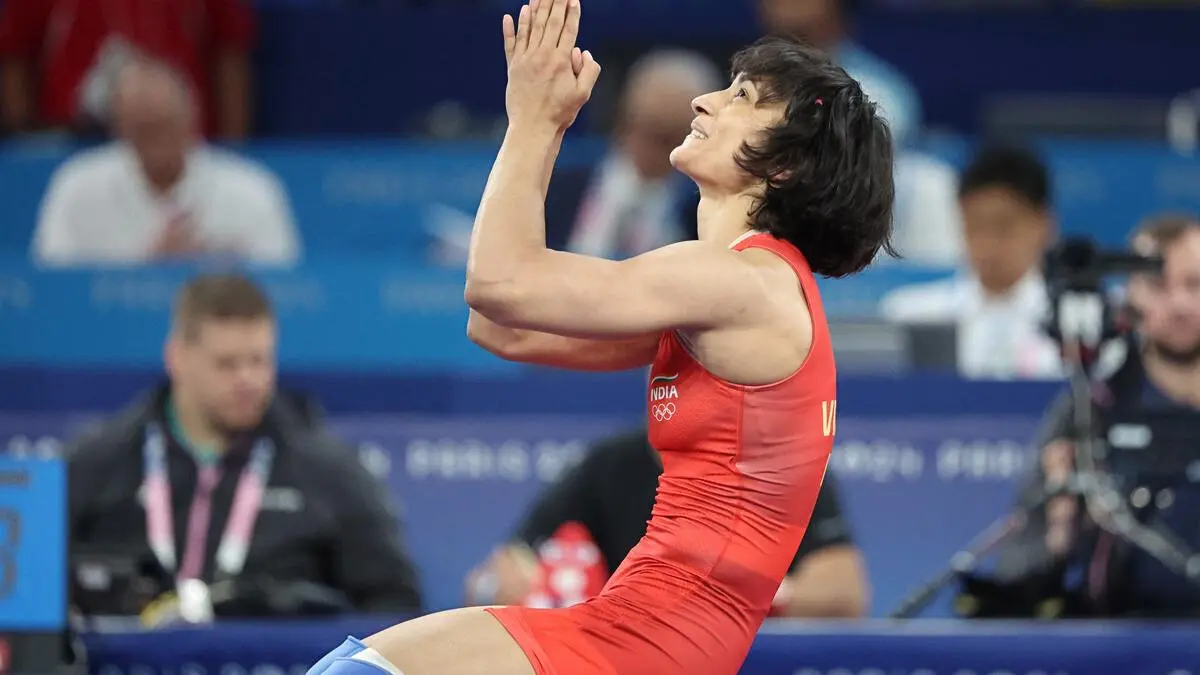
[
  {"x": 1082, "y": 313},
  {"x": 1078, "y": 263}
]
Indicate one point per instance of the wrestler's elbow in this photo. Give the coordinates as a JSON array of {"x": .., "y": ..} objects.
[
  {"x": 500, "y": 301},
  {"x": 499, "y": 340},
  {"x": 482, "y": 294},
  {"x": 478, "y": 330}
]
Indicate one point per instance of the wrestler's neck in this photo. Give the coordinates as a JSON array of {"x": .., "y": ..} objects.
[{"x": 722, "y": 219}]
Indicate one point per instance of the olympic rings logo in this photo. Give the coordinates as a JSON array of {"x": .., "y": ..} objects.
[{"x": 663, "y": 411}]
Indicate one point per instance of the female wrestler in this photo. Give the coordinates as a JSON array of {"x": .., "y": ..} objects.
[{"x": 794, "y": 167}]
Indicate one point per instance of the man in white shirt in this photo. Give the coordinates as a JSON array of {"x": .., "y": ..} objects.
[
  {"x": 632, "y": 201},
  {"x": 1000, "y": 302},
  {"x": 158, "y": 193}
]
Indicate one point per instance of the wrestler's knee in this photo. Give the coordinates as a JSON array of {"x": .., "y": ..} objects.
[
  {"x": 466, "y": 641},
  {"x": 353, "y": 658}
]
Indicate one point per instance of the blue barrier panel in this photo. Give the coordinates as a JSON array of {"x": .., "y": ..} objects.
[
  {"x": 355, "y": 196},
  {"x": 366, "y": 315},
  {"x": 916, "y": 488},
  {"x": 923, "y": 648},
  {"x": 532, "y": 391},
  {"x": 33, "y": 544},
  {"x": 389, "y": 196}
]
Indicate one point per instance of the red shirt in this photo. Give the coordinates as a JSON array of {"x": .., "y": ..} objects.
[
  {"x": 63, "y": 39},
  {"x": 742, "y": 466}
]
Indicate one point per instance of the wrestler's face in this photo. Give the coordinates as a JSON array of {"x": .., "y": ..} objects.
[{"x": 726, "y": 122}]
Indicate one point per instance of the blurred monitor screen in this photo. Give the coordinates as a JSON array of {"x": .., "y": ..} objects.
[
  {"x": 875, "y": 346},
  {"x": 933, "y": 347}
]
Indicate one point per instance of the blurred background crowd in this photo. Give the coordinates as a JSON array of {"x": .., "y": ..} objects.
[{"x": 235, "y": 380}]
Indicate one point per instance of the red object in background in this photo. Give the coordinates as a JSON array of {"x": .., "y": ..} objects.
[
  {"x": 63, "y": 39},
  {"x": 570, "y": 569},
  {"x": 5, "y": 656}
]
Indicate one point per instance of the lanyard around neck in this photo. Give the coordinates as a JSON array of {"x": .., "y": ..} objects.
[{"x": 160, "y": 517}]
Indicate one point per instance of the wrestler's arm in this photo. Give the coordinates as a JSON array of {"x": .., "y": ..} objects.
[
  {"x": 547, "y": 349},
  {"x": 515, "y": 281}
]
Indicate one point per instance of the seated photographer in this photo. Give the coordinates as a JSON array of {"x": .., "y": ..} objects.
[
  {"x": 215, "y": 494},
  {"x": 1062, "y": 556},
  {"x": 580, "y": 529}
]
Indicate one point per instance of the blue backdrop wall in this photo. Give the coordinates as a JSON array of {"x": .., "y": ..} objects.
[
  {"x": 399, "y": 198},
  {"x": 315, "y": 56},
  {"x": 919, "y": 474}
]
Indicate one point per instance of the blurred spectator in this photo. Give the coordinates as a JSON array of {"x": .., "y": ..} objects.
[
  {"x": 59, "y": 58},
  {"x": 158, "y": 193},
  {"x": 1001, "y": 302},
  {"x": 633, "y": 201},
  {"x": 928, "y": 222},
  {"x": 214, "y": 477},
  {"x": 611, "y": 493},
  {"x": 1158, "y": 369},
  {"x": 826, "y": 24}
]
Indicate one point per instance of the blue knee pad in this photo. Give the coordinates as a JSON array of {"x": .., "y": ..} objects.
[
  {"x": 354, "y": 667},
  {"x": 339, "y": 661}
]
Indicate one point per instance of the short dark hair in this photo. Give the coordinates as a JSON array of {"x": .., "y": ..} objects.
[
  {"x": 827, "y": 166},
  {"x": 1011, "y": 167},
  {"x": 220, "y": 297},
  {"x": 1165, "y": 229}
]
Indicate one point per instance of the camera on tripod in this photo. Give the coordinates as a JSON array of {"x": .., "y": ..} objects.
[
  {"x": 1082, "y": 314},
  {"x": 1111, "y": 469},
  {"x": 1123, "y": 450},
  {"x": 1080, "y": 263}
]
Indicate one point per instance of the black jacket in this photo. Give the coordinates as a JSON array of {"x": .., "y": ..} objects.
[
  {"x": 325, "y": 520},
  {"x": 1026, "y": 567}
]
